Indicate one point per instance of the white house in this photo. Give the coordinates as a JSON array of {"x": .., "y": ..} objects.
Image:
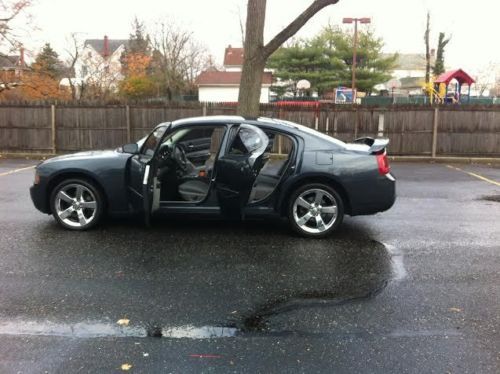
[
  {"x": 100, "y": 63},
  {"x": 224, "y": 86}
]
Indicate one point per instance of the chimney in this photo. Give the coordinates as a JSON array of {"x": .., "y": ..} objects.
[
  {"x": 21, "y": 57},
  {"x": 433, "y": 52},
  {"x": 105, "y": 51}
]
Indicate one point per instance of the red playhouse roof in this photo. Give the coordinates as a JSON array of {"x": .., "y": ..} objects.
[{"x": 460, "y": 75}]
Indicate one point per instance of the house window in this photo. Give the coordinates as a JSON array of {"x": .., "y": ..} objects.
[{"x": 84, "y": 70}]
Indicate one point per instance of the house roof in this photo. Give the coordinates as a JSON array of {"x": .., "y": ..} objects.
[
  {"x": 410, "y": 61},
  {"x": 98, "y": 44},
  {"x": 233, "y": 56},
  {"x": 9, "y": 62},
  {"x": 217, "y": 78},
  {"x": 460, "y": 75}
]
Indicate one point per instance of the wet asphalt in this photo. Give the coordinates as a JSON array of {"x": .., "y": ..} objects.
[{"x": 415, "y": 289}]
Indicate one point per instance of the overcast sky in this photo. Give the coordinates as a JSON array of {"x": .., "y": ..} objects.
[{"x": 474, "y": 25}]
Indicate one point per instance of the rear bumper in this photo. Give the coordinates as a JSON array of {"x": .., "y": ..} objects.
[
  {"x": 380, "y": 197},
  {"x": 39, "y": 198}
]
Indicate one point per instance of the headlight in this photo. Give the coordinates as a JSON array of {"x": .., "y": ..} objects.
[{"x": 37, "y": 177}]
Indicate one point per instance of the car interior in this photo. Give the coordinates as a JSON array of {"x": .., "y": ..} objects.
[{"x": 186, "y": 162}]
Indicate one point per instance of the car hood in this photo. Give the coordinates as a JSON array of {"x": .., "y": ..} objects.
[{"x": 107, "y": 154}]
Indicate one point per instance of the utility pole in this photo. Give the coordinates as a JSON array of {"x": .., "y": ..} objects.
[{"x": 363, "y": 20}]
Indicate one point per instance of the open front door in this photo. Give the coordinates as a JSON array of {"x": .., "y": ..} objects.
[
  {"x": 238, "y": 167},
  {"x": 141, "y": 174}
]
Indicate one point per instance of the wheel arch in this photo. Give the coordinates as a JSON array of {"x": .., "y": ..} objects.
[
  {"x": 75, "y": 174},
  {"x": 314, "y": 178}
]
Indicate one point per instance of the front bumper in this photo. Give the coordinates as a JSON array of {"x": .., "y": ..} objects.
[{"x": 39, "y": 198}]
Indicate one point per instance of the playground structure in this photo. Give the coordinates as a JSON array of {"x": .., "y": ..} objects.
[{"x": 438, "y": 90}]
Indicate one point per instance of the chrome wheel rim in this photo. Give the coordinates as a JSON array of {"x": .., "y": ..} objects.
[
  {"x": 315, "y": 211},
  {"x": 75, "y": 205}
]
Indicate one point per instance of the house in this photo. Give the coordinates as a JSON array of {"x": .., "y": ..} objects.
[
  {"x": 411, "y": 65},
  {"x": 408, "y": 75},
  {"x": 224, "y": 86},
  {"x": 11, "y": 69},
  {"x": 100, "y": 62}
]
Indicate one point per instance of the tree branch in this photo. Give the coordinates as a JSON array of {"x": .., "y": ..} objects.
[{"x": 295, "y": 26}]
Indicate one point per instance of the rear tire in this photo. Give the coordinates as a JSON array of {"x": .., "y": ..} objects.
[
  {"x": 77, "y": 204},
  {"x": 315, "y": 210}
]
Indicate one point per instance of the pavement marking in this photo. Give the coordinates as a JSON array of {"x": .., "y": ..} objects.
[
  {"x": 17, "y": 170},
  {"x": 475, "y": 175}
]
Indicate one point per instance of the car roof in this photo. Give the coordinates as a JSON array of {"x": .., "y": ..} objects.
[{"x": 210, "y": 120}]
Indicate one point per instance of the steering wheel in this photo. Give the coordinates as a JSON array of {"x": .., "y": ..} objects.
[
  {"x": 179, "y": 155},
  {"x": 164, "y": 153}
]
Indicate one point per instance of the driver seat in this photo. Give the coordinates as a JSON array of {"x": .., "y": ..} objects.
[{"x": 193, "y": 190}]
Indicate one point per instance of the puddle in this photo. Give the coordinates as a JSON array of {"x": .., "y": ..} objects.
[
  {"x": 203, "y": 332},
  {"x": 385, "y": 265},
  {"x": 76, "y": 330},
  {"x": 87, "y": 330}
]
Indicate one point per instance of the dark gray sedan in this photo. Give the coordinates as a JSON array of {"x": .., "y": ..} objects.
[{"x": 224, "y": 166}]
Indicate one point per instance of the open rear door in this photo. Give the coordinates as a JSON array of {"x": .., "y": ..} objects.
[{"x": 238, "y": 168}]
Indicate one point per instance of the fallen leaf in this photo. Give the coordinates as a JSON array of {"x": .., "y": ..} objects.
[
  {"x": 126, "y": 367},
  {"x": 456, "y": 310},
  {"x": 123, "y": 322}
]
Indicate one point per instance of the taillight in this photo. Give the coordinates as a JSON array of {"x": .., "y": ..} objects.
[{"x": 383, "y": 163}]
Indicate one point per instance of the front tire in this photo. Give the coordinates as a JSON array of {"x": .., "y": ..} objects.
[
  {"x": 77, "y": 204},
  {"x": 315, "y": 210}
]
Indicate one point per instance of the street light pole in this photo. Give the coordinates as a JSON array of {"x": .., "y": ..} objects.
[
  {"x": 363, "y": 20},
  {"x": 354, "y": 57}
]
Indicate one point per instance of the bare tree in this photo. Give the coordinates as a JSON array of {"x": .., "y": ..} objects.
[
  {"x": 256, "y": 53},
  {"x": 10, "y": 10},
  {"x": 427, "y": 49},
  {"x": 197, "y": 60},
  {"x": 74, "y": 52},
  {"x": 174, "y": 55}
]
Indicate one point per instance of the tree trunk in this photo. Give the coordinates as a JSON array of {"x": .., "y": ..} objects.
[
  {"x": 256, "y": 53},
  {"x": 253, "y": 64},
  {"x": 427, "y": 50}
]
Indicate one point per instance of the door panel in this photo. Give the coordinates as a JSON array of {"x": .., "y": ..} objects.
[
  {"x": 238, "y": 168},
  {"x": 140, "y": 173}
]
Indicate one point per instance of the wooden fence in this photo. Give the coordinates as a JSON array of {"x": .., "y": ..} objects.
[{"x": 431, "y": 131}]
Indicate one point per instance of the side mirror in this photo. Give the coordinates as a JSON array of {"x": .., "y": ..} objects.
[{"x": 132, "y": 148}]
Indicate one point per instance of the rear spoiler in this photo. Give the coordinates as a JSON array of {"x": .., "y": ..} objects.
[{"x": 376, "y": 145}]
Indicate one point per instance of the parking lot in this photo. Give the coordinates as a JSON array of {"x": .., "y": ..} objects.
[{"x": 414, "y": 289}]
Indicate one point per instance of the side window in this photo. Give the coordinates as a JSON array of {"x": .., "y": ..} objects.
[{"x": 249, "y": 140}]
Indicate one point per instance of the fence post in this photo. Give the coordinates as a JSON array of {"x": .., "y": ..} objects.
[
  {"x": 335, "y": 123},
  {"x": 127, "y": 120},
  {"x": 316, "y": 121},
  {"x": 356, "y": 124},
  {"x": 204, "y": 109},
  {"x": 327, "y": 125},
  {"x": 434, "y": 131},
  {"x": 53, "y": 128},
  {"x": 381, "y": 118}
]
